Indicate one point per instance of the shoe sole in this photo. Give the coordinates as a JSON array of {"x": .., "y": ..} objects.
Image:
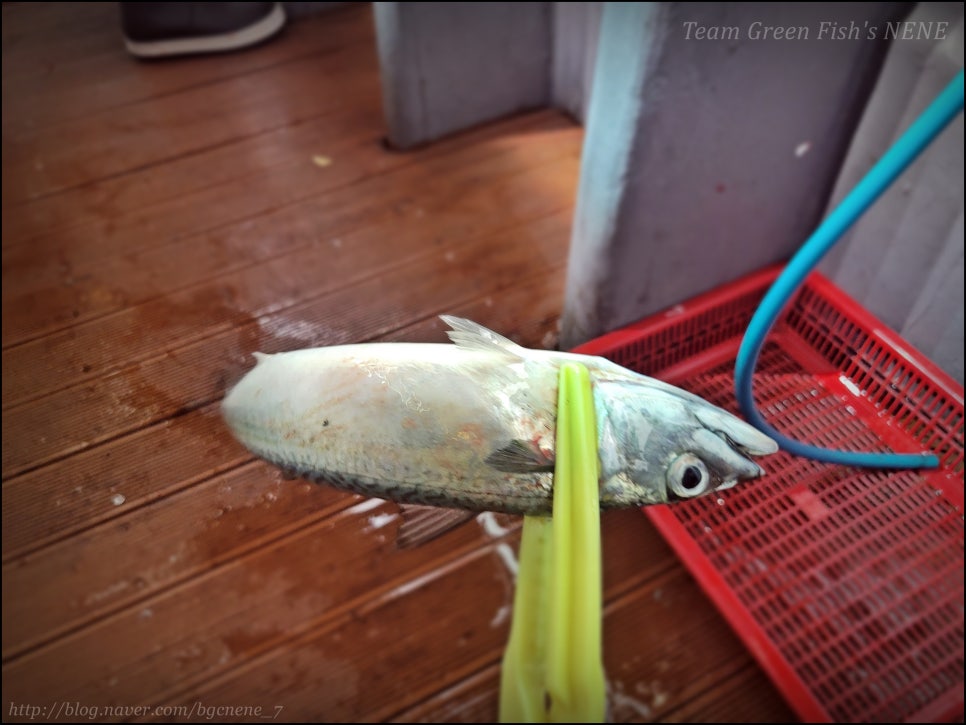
[{"x": 241, "y": 38}]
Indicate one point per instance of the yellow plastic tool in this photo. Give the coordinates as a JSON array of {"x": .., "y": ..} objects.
[{"x": 553, "y": 669}]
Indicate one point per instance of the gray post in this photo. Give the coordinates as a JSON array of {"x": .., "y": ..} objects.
[
  {"x": 449, "y": 66},
  {"x": 714, "y": 136}
]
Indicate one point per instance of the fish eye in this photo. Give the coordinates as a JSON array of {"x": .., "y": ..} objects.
[{"x": 688, "y": 476}]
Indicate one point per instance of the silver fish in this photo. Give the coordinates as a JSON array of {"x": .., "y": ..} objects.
[{"x": 472, "y": 425}]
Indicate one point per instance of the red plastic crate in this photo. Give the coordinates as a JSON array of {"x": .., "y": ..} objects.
[{"x": 846, "y": 584}]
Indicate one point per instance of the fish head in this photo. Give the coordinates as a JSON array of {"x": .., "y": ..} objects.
[{"x": 660, "y": 444}]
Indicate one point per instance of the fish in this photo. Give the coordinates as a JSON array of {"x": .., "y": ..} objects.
[{"x": 471, "y": 425}]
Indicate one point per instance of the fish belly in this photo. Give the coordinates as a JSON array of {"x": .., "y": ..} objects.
[{"x": 409, "y": 422}]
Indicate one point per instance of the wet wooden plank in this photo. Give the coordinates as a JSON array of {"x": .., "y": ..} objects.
[
  {"x": 115, "y": 142},
  {"x": 701, "y": 673},
  {"x": 61, "y": 238},
  {"x": 746, "y": 696},
  {"x": 38, "y": 43},
  {"x": 142, "y": 549},
  {"x": 258, "y": 173},
  {"x": 195, "y": 374},
  {"x": 133, "y": 212},
  {"x": 47, "y": 18},
  {"x": 315, "y": 576},
  {"x": 75, "y": 493},
  {"x": 420, "y": 636},
  {"x": 138, "y": 555},
  {"x": 651, "y": 672},
  {"x": 89, "y": 70},
  {"x": 72, "y": 288},
  {"x": 473, "y": 699}
]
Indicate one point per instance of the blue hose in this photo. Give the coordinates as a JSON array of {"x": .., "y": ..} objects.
[{"x": 903, "y": 152}]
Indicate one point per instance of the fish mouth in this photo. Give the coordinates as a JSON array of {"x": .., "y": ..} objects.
[
  {"x": 728, "y": 458},
  {"x": 746, "y": 470},
  {"x": 749, "y": 473},
  {"x": 739, "y": 435}
]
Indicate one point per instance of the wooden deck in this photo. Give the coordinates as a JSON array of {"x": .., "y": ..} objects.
[{"x": 161, "y": 222}]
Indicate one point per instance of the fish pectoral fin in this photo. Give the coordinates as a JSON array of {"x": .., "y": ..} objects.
[
  {"x": 470, "y": 335},
  {"x": 520, "y": 457},
  {"x": 421, "y": 524}
]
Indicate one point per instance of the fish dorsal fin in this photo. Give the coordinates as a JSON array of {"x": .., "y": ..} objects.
[
  {"x": 421, "y": 524},
  {"x": 470, "y": 335}
]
